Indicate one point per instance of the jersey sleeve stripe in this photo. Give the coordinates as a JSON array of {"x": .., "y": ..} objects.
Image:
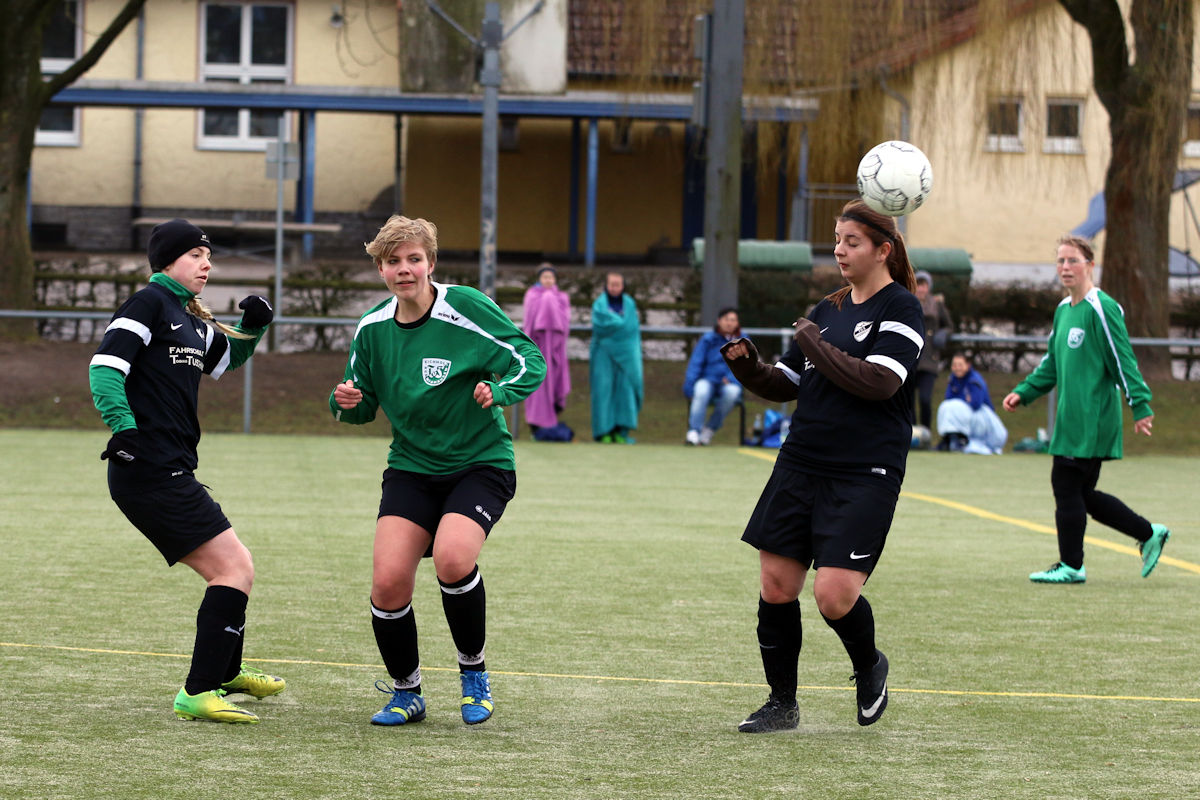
[
  {"x": 119, "y": 364},
  {"x": 132, "y": 325},
  {"x": 222, "y": 364},
  {"x": 891, "y": 363},
  {"x": 904, "y": 330},
  {"x": 792, "y": 375},
  {"x": 1093, "y": 300},
  {"x": 445, "y": 312}
]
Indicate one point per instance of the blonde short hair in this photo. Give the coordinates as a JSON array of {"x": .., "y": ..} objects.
[{"x": 400, "y": 229}]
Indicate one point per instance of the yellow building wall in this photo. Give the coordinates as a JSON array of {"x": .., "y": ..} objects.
[
  {"x": 1001, "y": 206},
  {"x": 354, "y": 152},
  {"x": 637, "y": 197}
]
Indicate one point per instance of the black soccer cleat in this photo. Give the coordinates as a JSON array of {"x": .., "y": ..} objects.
[
  {"x": 872, "y": 691},
  {"x": 775, "y": 715}
]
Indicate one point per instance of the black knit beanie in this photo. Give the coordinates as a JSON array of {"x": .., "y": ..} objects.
[{"x": 170, "y": 240}]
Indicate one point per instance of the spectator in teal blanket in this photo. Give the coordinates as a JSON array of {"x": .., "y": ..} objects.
[
  {"x": 615, "y": 363},
  {"x": 709, "y": 381}
]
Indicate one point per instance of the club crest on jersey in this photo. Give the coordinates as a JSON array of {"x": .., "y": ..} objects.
[
  {"x": 435, "y": 370},
  {"x": 1075, "y": 338},
  {"x": 861, "y": 330}
]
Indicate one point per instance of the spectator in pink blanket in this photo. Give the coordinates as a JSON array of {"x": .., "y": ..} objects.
[{"x": 548, "y": 322}]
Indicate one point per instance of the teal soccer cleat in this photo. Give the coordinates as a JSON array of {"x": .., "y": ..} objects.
[
  {"x": 1151, "y": 549},
  {"x": 1059, "y": 573}
]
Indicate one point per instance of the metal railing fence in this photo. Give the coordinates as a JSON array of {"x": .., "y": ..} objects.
[{"x": 784, "y": 335}]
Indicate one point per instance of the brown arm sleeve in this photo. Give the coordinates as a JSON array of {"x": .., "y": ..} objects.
[
  {"x": 765, "y": 381},
  {"x": 858, "y": 377}
]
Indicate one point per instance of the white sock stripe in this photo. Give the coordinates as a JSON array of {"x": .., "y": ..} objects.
[
  {"x": 463, "y": 658},
  {"x": 464, "y": 589},
  {"x": 411, "y": 682},
  {"x": 390, "y": 614}
]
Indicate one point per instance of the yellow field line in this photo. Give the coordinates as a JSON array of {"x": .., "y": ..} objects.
[
  {"x": 1014, "y": 521},
  {"x": 627, "y": 679}
]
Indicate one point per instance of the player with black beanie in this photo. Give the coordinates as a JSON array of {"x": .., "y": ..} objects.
[
  {"x": 829, "y": 501},
  {"x": 145, "y": 377}
]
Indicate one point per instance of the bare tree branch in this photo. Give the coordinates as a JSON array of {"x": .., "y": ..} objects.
[
  {"x": 89, "y": 59},
  {"x": 1110, "y": 55}
]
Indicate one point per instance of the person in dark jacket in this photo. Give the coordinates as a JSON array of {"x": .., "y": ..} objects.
[
  {"x": 709, "y": 381},
  {"x": 145, "y": 379}
]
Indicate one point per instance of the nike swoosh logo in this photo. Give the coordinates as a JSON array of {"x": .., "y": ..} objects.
[
  {"x": 824, "y": 329},
  {"x": 177, "y": 326},
  {"x": 234, "y": 631},
  {"x": 874, "y": 709},
  {"x": 857, "y": 556}
]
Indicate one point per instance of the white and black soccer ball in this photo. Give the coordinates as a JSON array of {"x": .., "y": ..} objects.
[{"x": 895, "y": 178}]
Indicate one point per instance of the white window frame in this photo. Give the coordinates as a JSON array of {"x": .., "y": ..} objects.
[
  {"x": 245, "y": 73},
  {"x": 1191, "y": 147},
  {"x": 1007, "y": 143},
  {"x": 1072, "y": 145},
  {"x": 53, "y": 66}
]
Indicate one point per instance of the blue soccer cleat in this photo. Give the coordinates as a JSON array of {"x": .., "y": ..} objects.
[
  {"x": 477, "y": 696},
  {"x": 402, "y": 708}
]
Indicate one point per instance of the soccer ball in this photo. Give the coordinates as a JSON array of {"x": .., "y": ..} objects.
[
  {"x": 921, "y": 438},
  {"x": 894, "y": 178}
]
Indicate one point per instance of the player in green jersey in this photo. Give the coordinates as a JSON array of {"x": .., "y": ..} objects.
[
  {"x": 442, "y": 362},
  {"x": 1091, "y": 363}
]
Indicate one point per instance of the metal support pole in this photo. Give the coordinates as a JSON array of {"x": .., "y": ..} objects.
[
  {"x": 247, "y": 390},
  {"x": 723, "y": 179},
  {"x": 489, "y": 79},
  {"x": 280, "y": 166},
  {"x": 593, "y": 160},
  {"x": 306, "y": 183},
  {"x": 573, "y": 202}
]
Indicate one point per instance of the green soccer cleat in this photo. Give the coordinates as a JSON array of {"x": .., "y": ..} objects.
[
  {"x": 1060, "y": 573},
  {"x": 255, "y": 683},
  {"x": 1151, "y": 549},
  {"x": 210, "y": 705}
]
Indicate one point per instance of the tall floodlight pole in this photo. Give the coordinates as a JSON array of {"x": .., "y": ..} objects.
[
  {"x": 488, "y": 46},
  {"x": 723, "y": 172}
]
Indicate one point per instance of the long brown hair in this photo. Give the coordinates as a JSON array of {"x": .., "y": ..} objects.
[
  {"x": 198, "y": 309},
  {"x": 880, "y": 228}
]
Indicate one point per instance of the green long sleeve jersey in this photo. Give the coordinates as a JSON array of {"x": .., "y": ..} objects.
[
  {"x": 423, "y": 375},
  {"x": 1090, "y": 361}
]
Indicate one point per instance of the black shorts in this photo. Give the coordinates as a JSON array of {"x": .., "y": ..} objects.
[
  {"x": 480, "y": 493},
  {"x": 171, "y": 509},
  {"x": 823, "y": 521}
]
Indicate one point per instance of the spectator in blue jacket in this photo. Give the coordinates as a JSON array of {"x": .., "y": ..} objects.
[
  {"x": 709, "y": 381},
  {"x": 966, "y": 420}
]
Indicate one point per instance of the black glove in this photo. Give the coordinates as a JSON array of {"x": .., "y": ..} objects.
[
  {"x": 256, "y": 312},
  {"x": 123, "y": 447}
]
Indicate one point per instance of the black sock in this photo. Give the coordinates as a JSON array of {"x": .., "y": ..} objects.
[
  {"x": 396, "y": 637},
  {"x": 465, "y": 604},
  {"x": 235, "y": 658},
  {"x": 780, "y": 635},
  {"x": 219, "y": 624},
  {"x": 857, "y": 632}
]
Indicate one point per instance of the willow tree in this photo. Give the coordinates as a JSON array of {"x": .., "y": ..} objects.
[
  {"x": 24, "y": 93},
  {"x": 839, "y": 51}
]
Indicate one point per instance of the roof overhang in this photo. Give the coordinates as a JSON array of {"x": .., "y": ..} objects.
[{"x": 572, "y": 104}]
